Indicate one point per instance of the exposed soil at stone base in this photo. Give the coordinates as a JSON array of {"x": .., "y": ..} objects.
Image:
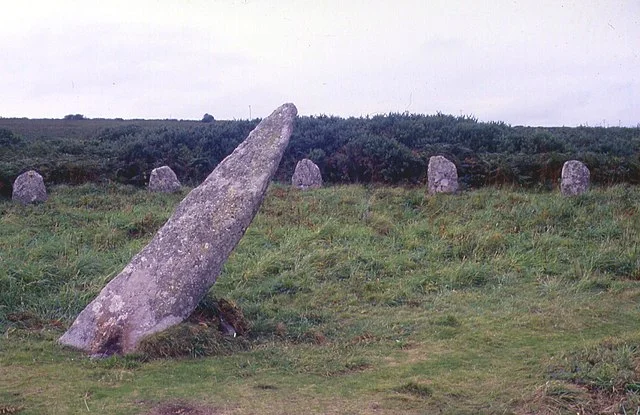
[{"x": 184, "y": 408}]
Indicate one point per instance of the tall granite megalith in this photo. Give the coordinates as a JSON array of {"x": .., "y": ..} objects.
[{"x": 164, "y": 282}]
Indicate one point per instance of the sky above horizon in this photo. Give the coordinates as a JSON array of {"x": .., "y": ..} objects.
[{"x": 547, "y": 63}]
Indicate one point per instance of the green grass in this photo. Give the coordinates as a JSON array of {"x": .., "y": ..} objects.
[{"x": 361, "y": 300}]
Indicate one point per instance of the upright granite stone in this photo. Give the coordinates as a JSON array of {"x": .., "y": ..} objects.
[
  {"x": 442, "y": 175},
  {"x": 164, "y": 282},
  {"x": 29, "y": 188},
  {"x": 307, "y": 175},
  {"x": 574, "y": 179},
  {"x": 164, "y": 180}
]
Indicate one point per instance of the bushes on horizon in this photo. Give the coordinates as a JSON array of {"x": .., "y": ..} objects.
[
  {"x": 76, "y": 117},
  {"x": 393, "y": 148}
]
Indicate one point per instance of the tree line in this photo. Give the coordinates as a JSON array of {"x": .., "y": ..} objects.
[{"x": 393, "y": 149}]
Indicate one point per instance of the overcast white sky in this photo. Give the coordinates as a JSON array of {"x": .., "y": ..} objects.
[{"x": 549, "y": 63}]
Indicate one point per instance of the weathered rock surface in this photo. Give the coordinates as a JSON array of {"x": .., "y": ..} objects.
[
  {"x": 163, "y": 283},
  {"x": 307, "y": 175},
  {"x": 164, "y": 180},
  {"x": 442, "y": 175},
  {"x": 574, "y": 179},
  {"x": 29, "y": 188}
]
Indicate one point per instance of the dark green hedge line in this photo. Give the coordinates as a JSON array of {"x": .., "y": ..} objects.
[{"x": 393, "y": 149}]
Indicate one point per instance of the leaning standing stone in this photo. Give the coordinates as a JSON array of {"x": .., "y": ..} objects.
[
  {"x": 307, "y": 175},
  {"x": 164, "y": 282},
  {"x": 164, "y": 180},
  {"x": 575, "y": 178},
  {"x": 29, "y": 188},
  {"x": 442, "y": 175}
]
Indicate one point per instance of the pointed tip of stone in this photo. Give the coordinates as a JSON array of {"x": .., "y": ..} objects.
[{"x": 289, "y": 107}]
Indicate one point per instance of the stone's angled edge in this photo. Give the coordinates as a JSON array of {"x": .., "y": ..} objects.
[{"x": 164, "y": 282}]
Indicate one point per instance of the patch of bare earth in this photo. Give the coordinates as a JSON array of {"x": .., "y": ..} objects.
[{"x": 184, "y": 408}]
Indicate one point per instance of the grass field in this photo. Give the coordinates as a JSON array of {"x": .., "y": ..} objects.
[{"x": 362, "y": 300}]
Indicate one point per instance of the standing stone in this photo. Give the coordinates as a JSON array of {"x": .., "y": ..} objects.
[
  {"x": 29, "y": 188},
  {"x": 164, "y": 180},
  {"x": 307, "y": 175},
  {"x": 442, "y": 175},
  {"x": 164, "y": 282},
  {"x": 574, "y": 179}
]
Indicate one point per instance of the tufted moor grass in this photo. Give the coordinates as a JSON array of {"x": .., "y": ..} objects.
[{"x": 359, "y": 300}]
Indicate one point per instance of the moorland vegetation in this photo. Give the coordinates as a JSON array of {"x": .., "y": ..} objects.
[{"x": 391, "y": 149}]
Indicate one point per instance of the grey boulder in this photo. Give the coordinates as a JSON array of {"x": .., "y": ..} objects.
[
  {"x": 307, "y": 175},
  {"x": 29, "y": 188},
  {"x": 442, "y": 175},
  {"x": 164, "y": 180},
  {"x": 574, "y": 179}
]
